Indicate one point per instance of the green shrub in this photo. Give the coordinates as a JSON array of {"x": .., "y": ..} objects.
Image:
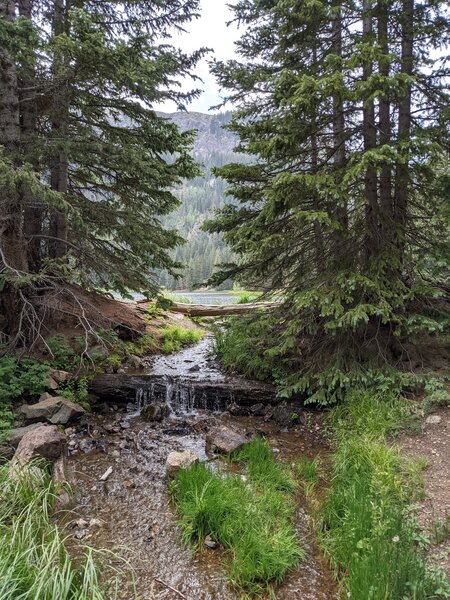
[
  {"x": 19, "y": 378},
  {"x": 63, "y": 356},
  {"x": 174, "y": 337},
  {"x": 142, "y": 345},
  {"x": 76, "y": 390},
  {"x": 252, "y": 517}
]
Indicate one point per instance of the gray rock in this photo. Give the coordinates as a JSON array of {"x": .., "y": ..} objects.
[
  {"x": 286, "y": 414},
  {"x": 57, "y": 410},
  {"x": 17, "y": 434},
  {"x": 51, "y": 384},
  {"x": 135, "y": 362},
  {"x": 257, "y": 409},
  {"x": 155, "y": 412},
  {"x": 194, "y": 369},
  {"x": 45, "y": 441},
  {"x": 59, "y": 375},
  {"x": 225, "y": 440},
  {"x": 210, "y": 543},
  {"x": 180, "y": 460},
  {"x": 433, "y": 420}
]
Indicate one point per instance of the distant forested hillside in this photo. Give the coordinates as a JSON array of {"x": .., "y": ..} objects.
[{"x": 200, "y": 196}]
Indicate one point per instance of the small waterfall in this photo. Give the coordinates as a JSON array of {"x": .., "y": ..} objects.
[{"x": 181, "y": 395}]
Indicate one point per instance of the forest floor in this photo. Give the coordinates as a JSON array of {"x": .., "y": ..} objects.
[{"x": 433, "y": 445}]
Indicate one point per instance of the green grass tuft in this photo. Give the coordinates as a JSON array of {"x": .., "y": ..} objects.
[
  {"x": 367, "y": 528},
  {"x": 34, "y": 563},
  {"x": 251, "y": 517},
  {"x": 175, "y": 337}
]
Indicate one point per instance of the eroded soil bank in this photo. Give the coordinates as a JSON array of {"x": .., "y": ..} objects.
[{"x": 131, "y": 508}]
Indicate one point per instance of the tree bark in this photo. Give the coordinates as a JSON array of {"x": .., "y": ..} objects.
[
  {"x": 59, "y": 117},
  {"x": 402, "y": 178},
  {"x": 33, "y": 210},
  {"x": 385, "y": 125},
  {"x": 11, "y": 218},
  {"x": 370, "y": 141}
]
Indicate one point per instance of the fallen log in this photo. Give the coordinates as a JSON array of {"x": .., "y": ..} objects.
[{"x": 217, "y": 310}]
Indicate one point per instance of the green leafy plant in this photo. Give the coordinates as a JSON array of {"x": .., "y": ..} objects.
[
  {"x": 76, "y": 390},
  {"x": 63, "y": 355}
]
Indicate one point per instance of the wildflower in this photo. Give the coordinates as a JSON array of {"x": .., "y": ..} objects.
[{"x": 395, "y": 539}]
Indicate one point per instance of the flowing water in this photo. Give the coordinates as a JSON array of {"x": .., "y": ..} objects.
[{"x": 131, "y": 509}]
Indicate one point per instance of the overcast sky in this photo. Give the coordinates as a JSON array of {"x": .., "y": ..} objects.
[{"x": 211, "y": 31}]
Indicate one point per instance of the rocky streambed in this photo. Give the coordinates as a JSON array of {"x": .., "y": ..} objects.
[{"x": 118, "y": 464}]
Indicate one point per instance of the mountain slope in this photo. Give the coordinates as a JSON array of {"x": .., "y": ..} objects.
[{"x": 199, "y": 197}]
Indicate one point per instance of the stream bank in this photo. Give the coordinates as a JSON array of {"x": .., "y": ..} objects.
[{"x": 131, "y": 509}]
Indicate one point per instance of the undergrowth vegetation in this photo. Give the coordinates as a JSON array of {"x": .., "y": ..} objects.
[
  {"x": 265, "y": 346},
  {"x": 174, "y": 337},
  {"x": 34, "y": 563},
  {"x": 250, "y": 514},
  {"x": 367, "y": 522}
]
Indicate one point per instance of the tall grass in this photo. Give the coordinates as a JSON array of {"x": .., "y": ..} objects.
[
  {"x": 175, "y": 337},
  {"x": 368, "y": 531},
  {"x": 34, "y": 563},
  {"x": 251, "y": 516}
]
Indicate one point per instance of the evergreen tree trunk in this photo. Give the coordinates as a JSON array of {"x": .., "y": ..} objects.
[
  {"x": 59, "y": 116},
  {"x": 339, "y": 126},
  {"x": 319, "y": 247},
  {"x": 402, "y": 178},
  {"x": 384, "y": 118},
  {"x": 370, "y": 141},
  {"x": 11, "y": 220},
  {"x": 33, "y": 212}
]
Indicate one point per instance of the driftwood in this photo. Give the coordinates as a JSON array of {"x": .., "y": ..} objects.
[{"x": 216, "y": 310}]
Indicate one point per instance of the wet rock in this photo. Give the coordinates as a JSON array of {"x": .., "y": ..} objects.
[
  {"x": 225, "y": 440},
  {"x": 45, "y": 441},
  {"x": 16, "y": 434},
  {"x": 61, "y": 479},
  {"x": 56, "y": 409},
  {"x": 286, "y": 414},
  {"x": 257, "y": 409},
  {"x": 60, "y": 376},
  {"x": 155, "y": 412},
  {"x": 236, "y": 410},
  {"x": 124, "y": 425},
  {"x": 433, "y": 420},
  {"x": 178, "y": 431},
  {"x": 194, "y": 368},
  {"x": 129, "y": 484},
  {"x": 86, "y": 445},
  {"x": 180, "y": 460},
  {"x": 210, "y": 543}
]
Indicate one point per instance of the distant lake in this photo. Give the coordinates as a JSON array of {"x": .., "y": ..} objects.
[
  {"x": 198, "y": 297},
  {"x": 205, "y": 297}
]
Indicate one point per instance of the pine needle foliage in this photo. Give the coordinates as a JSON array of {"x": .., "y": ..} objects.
[{"x": 342, "y": 107}]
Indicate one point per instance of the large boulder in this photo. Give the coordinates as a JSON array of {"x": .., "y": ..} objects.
[
  {"x": 16, "y": 434},
  {"x": 225, "y": 440},
  {"x": 180, "y": 460},
  {"x": 56, "y": 410},
  {"x": 45, "y": 441}
]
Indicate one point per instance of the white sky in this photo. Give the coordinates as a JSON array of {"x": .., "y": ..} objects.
[{"x": 210, "y": 30}]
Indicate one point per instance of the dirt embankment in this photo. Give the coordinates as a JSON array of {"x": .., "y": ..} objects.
[{"x": 433, "y": 445}]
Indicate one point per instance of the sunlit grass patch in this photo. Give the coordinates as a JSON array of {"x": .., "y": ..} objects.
[{"x": 251, "y": 516}]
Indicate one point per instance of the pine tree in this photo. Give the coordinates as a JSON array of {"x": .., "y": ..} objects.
[
  {"x": 92, "y": 165},
  {"x": 342, "y": 105}
]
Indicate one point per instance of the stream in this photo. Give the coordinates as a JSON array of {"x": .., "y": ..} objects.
[{"x": 130, "y": 511}]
